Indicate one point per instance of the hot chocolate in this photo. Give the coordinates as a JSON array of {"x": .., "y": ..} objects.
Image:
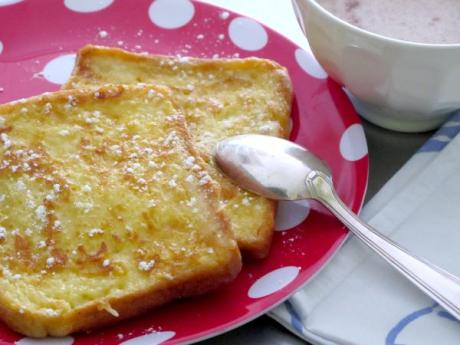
[{"x": 422, "y": 21}]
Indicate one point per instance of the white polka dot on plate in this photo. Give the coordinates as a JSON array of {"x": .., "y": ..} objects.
[
  {"x": 45, "y": 341},
  {"x": 171, "y": 14},
  {"x": 247, "y": 34},
  {"x": 58, "y": 70},
  {"x": 9, "y": 2},
  {"x": 87, "y": 6},
  {"x": 150, "y": 339},
  {"x": 289, "y": 214},
  {"x": 273, "y": 281},
  {"x": 308, "y": 63},
  {"x": 353, "y": 145},
  {"x": 1, "y": 47}
]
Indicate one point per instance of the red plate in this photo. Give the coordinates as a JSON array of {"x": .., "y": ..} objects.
[{"x": 36, "y": 38}]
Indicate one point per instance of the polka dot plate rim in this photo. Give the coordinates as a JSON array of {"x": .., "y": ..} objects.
[{"x": 38, "y": 40}]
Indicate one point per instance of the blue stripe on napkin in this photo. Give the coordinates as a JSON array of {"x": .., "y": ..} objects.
[{"x": 443, "y": 136}]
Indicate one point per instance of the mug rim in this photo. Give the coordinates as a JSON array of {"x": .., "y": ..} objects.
[{"x": 386, "y": 39}]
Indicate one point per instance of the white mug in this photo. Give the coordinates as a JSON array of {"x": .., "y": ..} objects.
[{"x": 396, "y": 84}]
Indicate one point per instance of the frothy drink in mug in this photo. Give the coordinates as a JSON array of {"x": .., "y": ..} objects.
[{"x": 422, "y": 21}]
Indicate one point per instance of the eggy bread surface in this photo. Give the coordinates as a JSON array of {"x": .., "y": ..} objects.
[
  {"x": 105, "y": 210},
  {"x": 220, "y": 98}
]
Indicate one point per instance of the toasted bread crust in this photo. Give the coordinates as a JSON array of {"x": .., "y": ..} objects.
[
  {"x": 262, "y": 88},
  {"x": 91, "y": 316},
  {"x": 225, "y": 264}
]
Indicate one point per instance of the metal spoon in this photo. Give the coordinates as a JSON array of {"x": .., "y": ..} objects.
[{"x": 279, "y": 169}]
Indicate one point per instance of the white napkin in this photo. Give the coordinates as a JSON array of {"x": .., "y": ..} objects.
[{"x": 358, "y": 298}]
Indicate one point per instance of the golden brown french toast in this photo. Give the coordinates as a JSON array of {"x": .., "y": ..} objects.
[
  {"x": 106, "y": 210},
  {"x": 220, "y": 98}
]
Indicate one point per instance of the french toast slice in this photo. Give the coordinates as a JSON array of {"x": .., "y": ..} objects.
[
  {"x": 220, "y": 98},
  {"x": 106, "y": 210}
]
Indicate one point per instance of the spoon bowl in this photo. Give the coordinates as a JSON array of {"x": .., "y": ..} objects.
[{"x": 268, "y": 166}]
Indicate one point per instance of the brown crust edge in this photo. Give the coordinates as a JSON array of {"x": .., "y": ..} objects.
[{"x": 88, "y": 49}]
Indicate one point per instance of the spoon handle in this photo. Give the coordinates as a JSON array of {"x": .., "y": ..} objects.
[{"x": 437, "y": 283}]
